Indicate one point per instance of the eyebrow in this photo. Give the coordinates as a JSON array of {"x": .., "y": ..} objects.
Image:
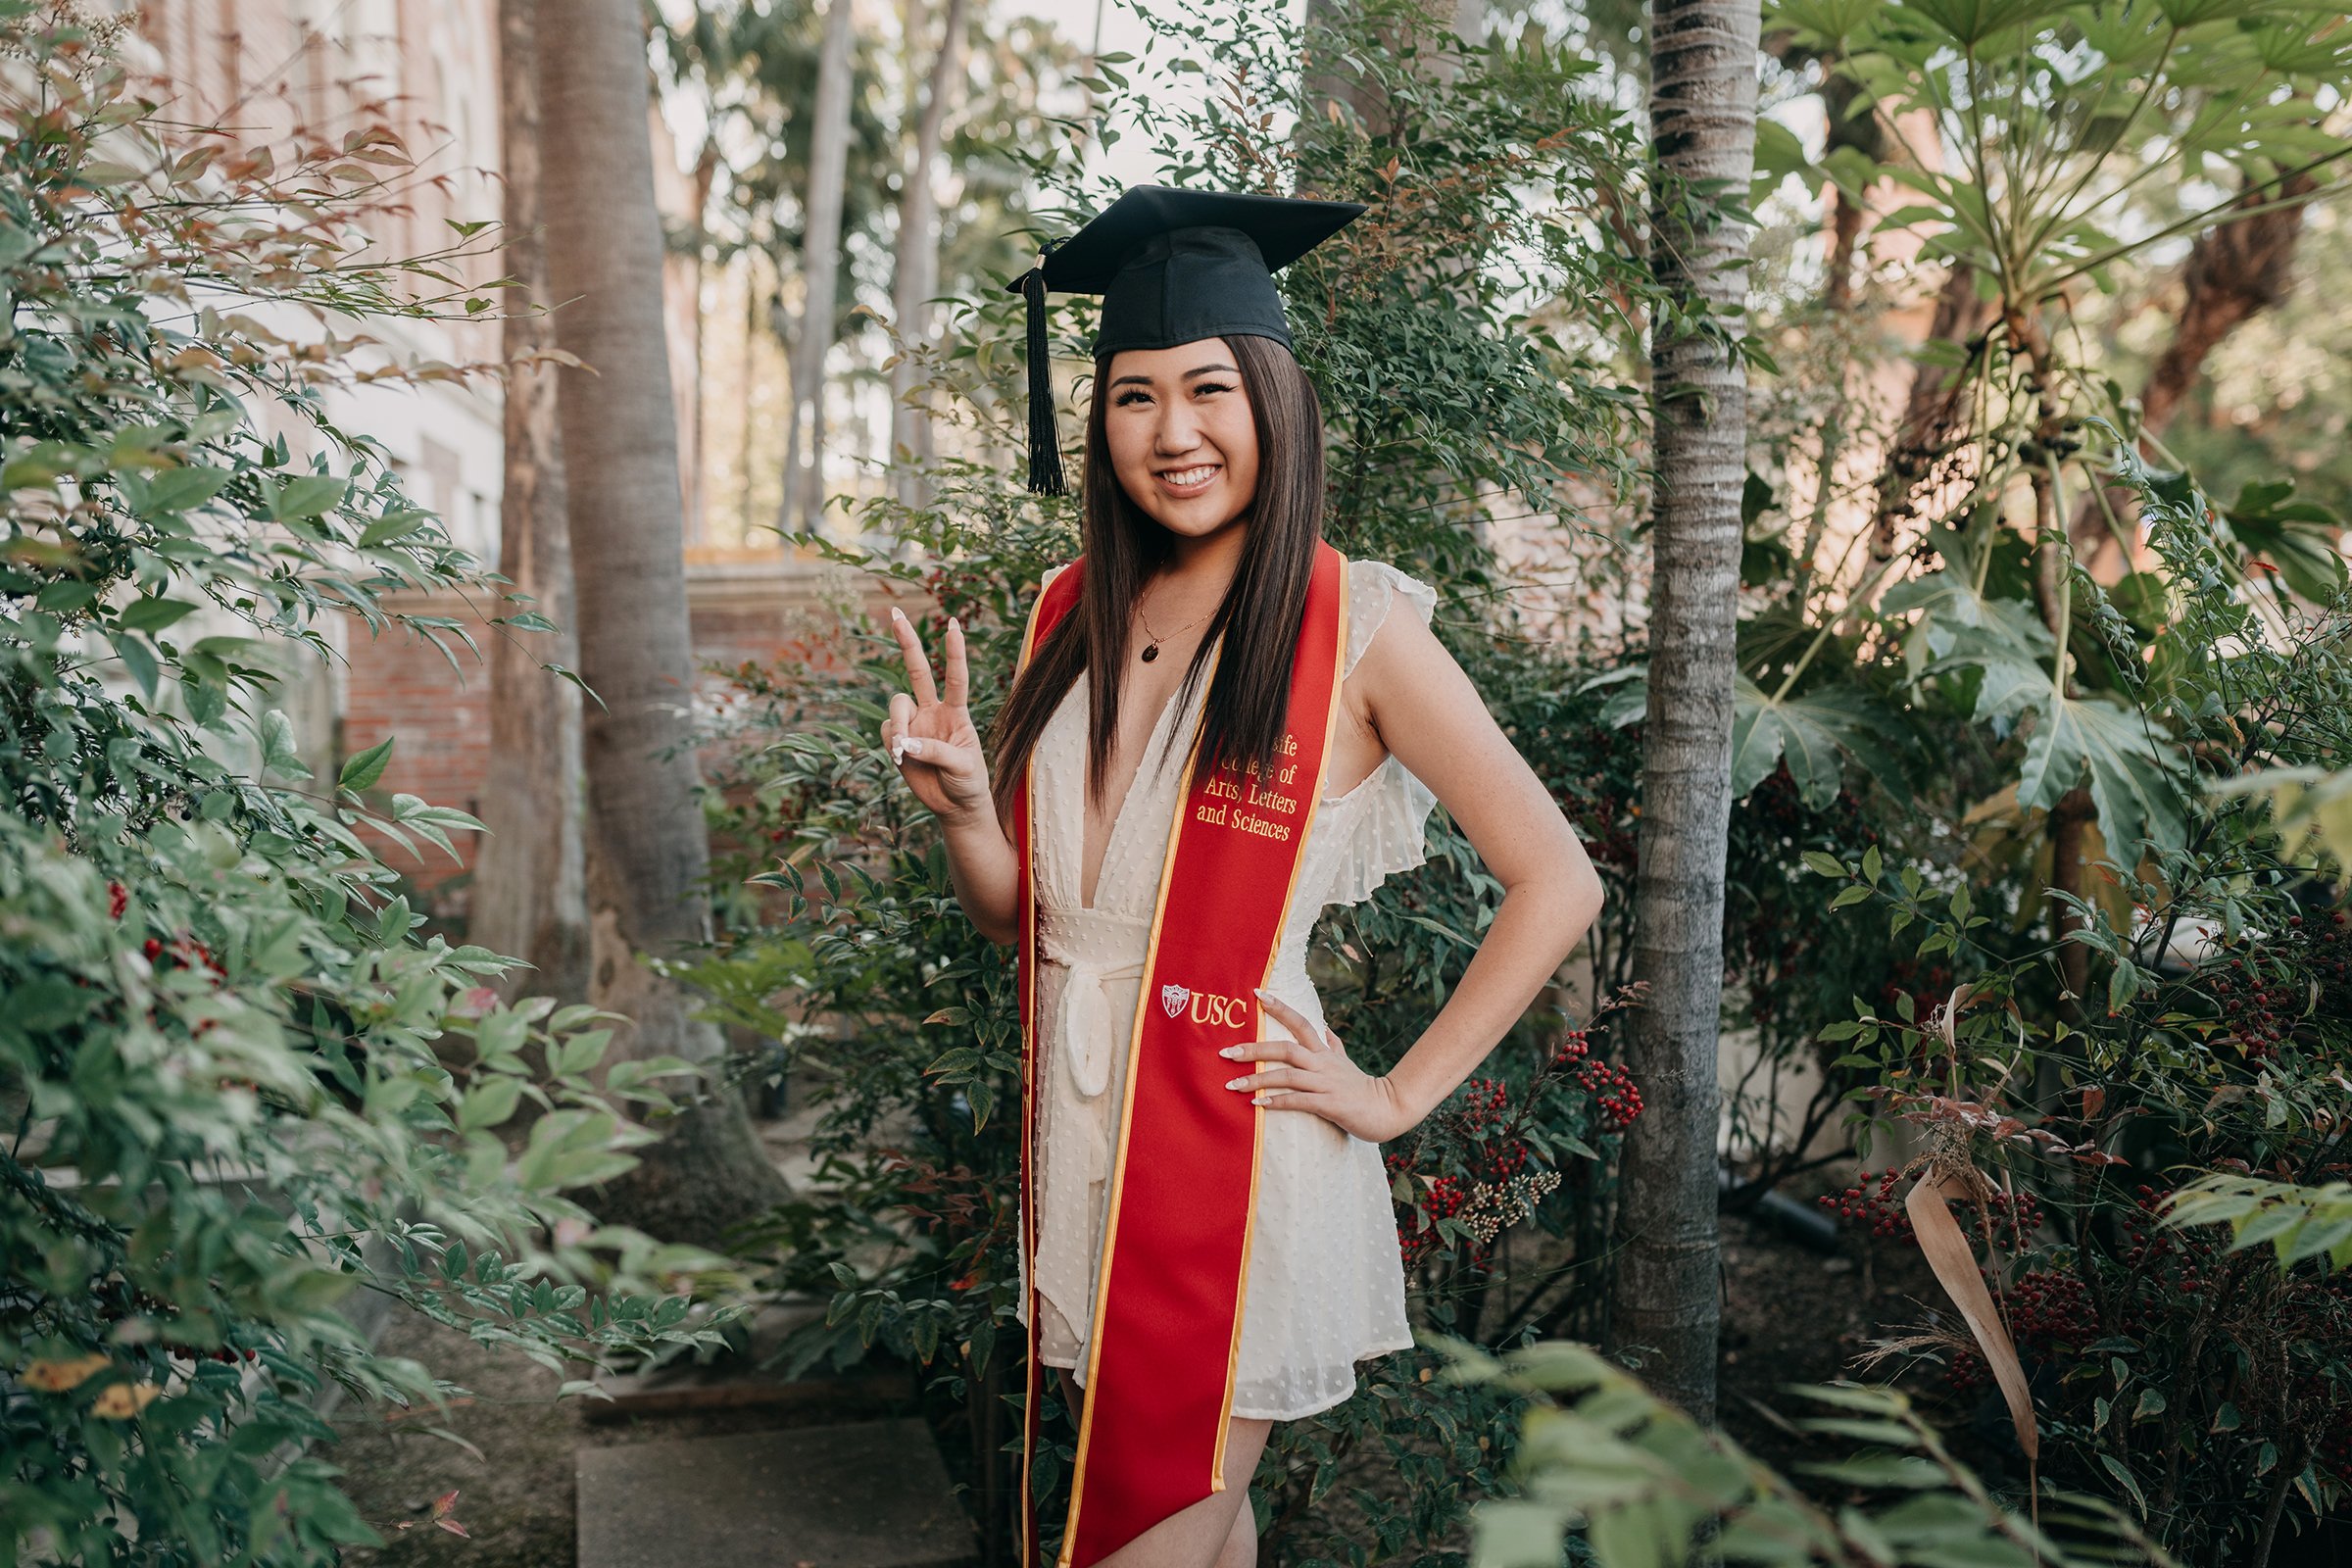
[{"x": 1198, "y": 369}]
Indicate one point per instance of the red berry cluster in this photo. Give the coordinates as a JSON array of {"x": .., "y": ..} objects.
[
  {"x": 2267, "y": 986},
  {"x": 2016, "y": 1220},
  {"x": 2261, "y": 1010},
  {"x": 1877, "y": 1205},
  {"x": 1486, "y": 1121},
  {"x": 1574, "y": 1047},
  {"x": 2050, "y": 1309},
  {"x": 1442, "y": 1199},
  {"x": 1483, "y": 1104},
  {"x": 2048, "y": 1312},
  {"x": 117, "y": 899},
  {"x": 186, "y": 953},
  {"x": 1619, "y": 1096}
]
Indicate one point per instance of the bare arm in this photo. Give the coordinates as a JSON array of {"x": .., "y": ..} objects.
[
  {"x": 1430, "y": 715},
  {"x": 931, "y": 739},
  {"x": 1426, "y": 712}
]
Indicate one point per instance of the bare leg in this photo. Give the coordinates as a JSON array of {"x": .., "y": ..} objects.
[
  {"x": 1240, "y": 1546},
  {"x": 1220, "y": 1531}
]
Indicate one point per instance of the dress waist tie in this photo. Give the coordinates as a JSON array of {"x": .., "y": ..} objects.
[{"x": 1088, "y": 1029}]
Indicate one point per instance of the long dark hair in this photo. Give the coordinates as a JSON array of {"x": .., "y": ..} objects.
[{"x": 1249, "y": 695}]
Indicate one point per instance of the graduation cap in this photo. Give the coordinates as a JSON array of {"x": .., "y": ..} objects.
[{"x": 1172, "y": 267}]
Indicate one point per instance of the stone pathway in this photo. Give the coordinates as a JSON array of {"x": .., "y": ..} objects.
[{"x": 869, "y": 1495}]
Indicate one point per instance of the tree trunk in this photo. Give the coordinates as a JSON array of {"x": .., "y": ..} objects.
[
  {"x": 917, "y": 277},
  {"x": 1664, "y": 1294},
  {"x": 646, "y": 853},
  {"x": 820, "y": 273},
  {"x": 528, "y": 884}
]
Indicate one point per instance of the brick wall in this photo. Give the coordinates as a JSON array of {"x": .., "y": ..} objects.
[{"x": 762, "y": 607}]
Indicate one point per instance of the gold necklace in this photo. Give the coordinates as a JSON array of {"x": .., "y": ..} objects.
[{"x": 1151, "y": 648}]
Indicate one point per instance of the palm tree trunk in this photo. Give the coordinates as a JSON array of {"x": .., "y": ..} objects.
[
  {"x": 820, "y": 273},
  {"x": 1664, "y": 1294},
  {"x": 647, "y": 856},
  {"x": 918, "y": 278},
  {"x": 530, "y": 898}
]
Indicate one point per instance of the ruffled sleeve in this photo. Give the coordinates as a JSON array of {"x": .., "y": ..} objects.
[
  {"x": 1382, "y": 822},
  {"x": 1373, "y": 586}
]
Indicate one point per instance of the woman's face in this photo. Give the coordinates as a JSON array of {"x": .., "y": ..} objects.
[{"x": 1181, "y": 436}]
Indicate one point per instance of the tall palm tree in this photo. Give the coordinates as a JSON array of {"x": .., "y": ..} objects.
[
  {"x": 1702, "y": 129},
  {"x": 529, "y": 897},
  {"x": 647, "y": 851},
  {"x": 917, "y": 280},
  {"x": 820, "y": 273}
]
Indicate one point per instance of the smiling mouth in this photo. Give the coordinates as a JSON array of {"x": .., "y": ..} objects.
[{"x": 1195, "y": 477}]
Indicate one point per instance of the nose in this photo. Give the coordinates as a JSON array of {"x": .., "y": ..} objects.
[{"x": 1178, "y": 430}]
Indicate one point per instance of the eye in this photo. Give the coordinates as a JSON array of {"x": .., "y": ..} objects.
[
  {"x": 1129, "y": 397},
  {"x": 1204, "y": 388}
]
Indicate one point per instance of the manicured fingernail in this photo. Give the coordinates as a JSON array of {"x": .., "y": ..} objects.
[
  {"x": 1235, "y": 1083},
  {"x": 898, "y": 750},
  {"x": 954, "y": 624},
  {"x": 914, "y": 747},
  {"x": 1230, "y": 1050},
  {"x": 1257, "y": 1098},
  {"x": 896, "y": 613}
]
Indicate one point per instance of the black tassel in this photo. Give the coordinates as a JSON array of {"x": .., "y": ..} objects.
[{"x": 1045, "y": 441}]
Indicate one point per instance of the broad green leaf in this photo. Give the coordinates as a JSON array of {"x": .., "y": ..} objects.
[
  {"x": 1814, "y": 732},
  {"x": 154, "y": 613},
  {"x": 362, "y": 771},
  {"x": 2133, "y": 784},
  {"x": 489, "y": 1103},
  {"x": 180, "y": 490},
  {"x": 279, "y": 754},
  {"x": 308, "y": 496}
]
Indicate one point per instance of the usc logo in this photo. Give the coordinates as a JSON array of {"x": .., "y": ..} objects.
[{"x": 1204, "y": 1008}]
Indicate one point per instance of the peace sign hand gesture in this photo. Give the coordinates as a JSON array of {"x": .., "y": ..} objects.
[
  {"x": 1313, "y": 1074},
  {"x": 930, "y": 735}
]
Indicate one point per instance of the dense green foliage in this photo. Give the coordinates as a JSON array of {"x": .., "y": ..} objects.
[
  {"x": 2214, "y": 1033},
  {"x": 240, "y": 1096}
]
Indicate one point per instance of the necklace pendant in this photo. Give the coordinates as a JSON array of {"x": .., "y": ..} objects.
[{"x": 1151, "y": 652}]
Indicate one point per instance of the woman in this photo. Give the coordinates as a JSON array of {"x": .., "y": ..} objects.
[{"x": 1218, "y": 730}]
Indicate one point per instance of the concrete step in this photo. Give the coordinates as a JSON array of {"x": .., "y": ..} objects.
[{"x": 867, "y": 1494}]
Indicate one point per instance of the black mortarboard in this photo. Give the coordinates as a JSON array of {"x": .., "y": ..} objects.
[{"x": 1172, "y": 267}]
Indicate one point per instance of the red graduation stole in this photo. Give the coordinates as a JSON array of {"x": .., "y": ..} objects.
[{"x": 1166, "y": 1340}]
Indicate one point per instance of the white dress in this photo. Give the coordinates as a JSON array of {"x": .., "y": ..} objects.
[{"x": 1326, "y": 1285}]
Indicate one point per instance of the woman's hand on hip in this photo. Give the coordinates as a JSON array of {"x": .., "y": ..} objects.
[
  {"x": 929, "y": 732},
  {"x": 1312, "y": 1073}
]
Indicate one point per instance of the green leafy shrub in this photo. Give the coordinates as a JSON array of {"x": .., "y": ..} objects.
[
  {"x": 1643, "y": 1485},
  {"x": 239, "y": 1095},
  {"x": 2213, "y": 1033}
]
